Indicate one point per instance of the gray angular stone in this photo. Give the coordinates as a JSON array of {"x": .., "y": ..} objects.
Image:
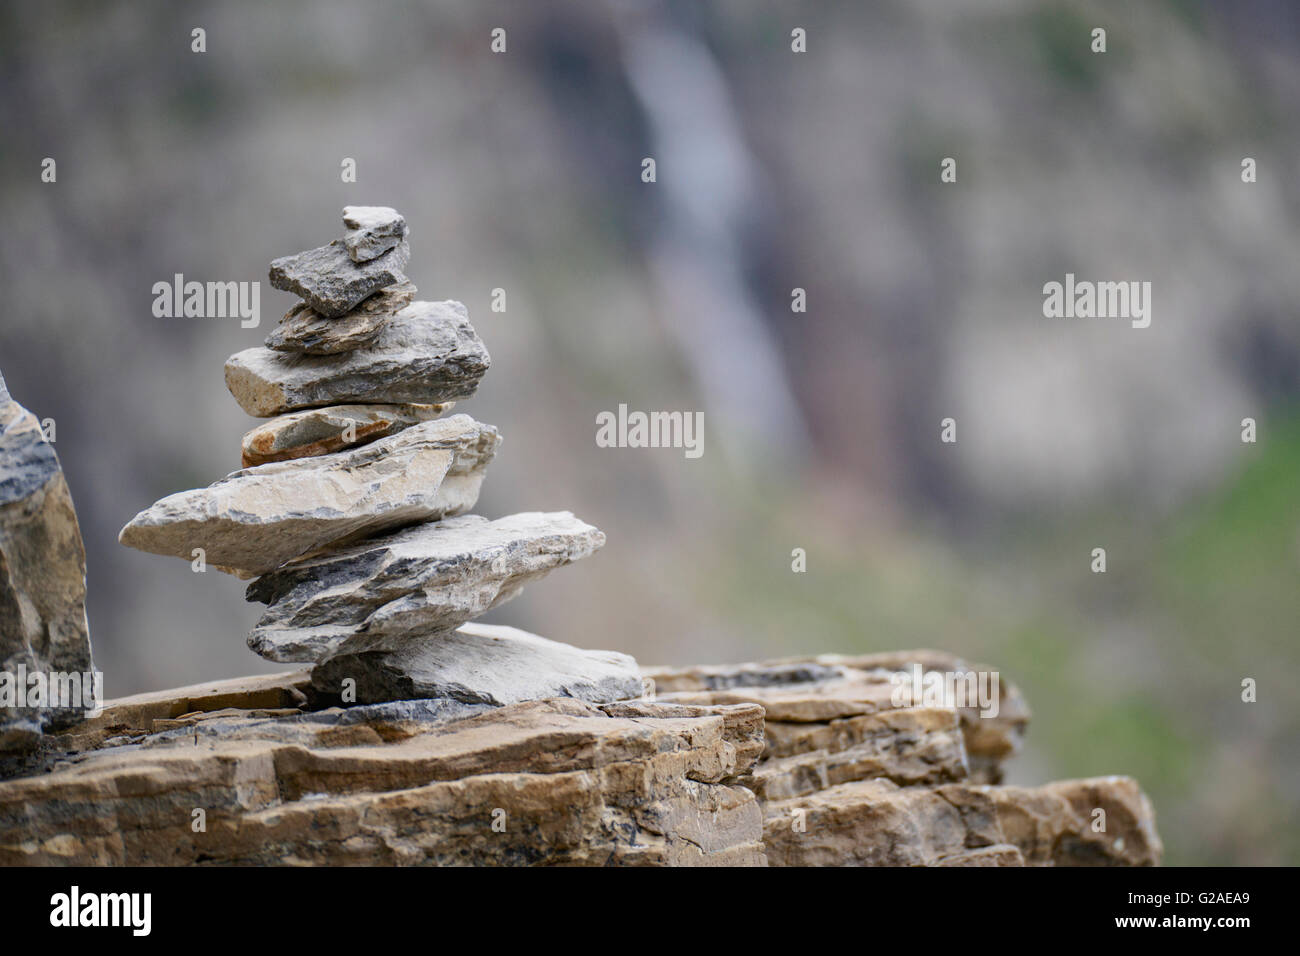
[
  {"x": 479, "y": 663},
  {"x": 304, "y": 330},
  {"x": 323, "y": 431},
  {"x": 425, "y": 578},
  {"x": 372, "y": 231},
  {"x": 43, "y": 625},
  {"x": 330, "y": 282},
  {"x": 426, "y": 354},
  {"x": 254, "y": 520}
]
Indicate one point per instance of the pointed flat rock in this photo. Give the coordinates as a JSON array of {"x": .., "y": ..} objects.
[
  {"x": 323, "y": 431},
  {"x": 372, "y": 231},
  {"x": 255, "y": 520},
  {"x": 306, "y": 331},
  {"x": 329, "y": 281},
  {"x": 426, "y": 354},
  {"x": 480, "y": 664},
  {"x": 426, "y": 578}
]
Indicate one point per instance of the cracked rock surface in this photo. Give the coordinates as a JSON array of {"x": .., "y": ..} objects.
[
  {"x": 328, "y": 279},
  {"x": 303, "y": 330},
  {"x": 426, "y": 578},
  {"x": 427, "y": 353}
]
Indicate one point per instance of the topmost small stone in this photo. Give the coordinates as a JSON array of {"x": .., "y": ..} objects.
[{"x": 372, "y": 231}]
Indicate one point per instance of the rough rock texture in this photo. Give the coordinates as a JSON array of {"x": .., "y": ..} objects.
[
  {"x": 283, "y": 778},
  {"x": 877, "y": 823},
  {"x": 812, "y": 702},
  {"x": 850, "y": 778},
  {"x": 42, "y": 575},
  {"x": 426, "y": 578},
  {"x": 372, "y": 231},
  {"x": 285, "y": 775},
  {"x": 304, "y": 330},
  {"x": 427, "y": 353},
  {"x": 256, "y": 519},
  {"x": 323, "y": 431},
  {"x": 476, "y": 664},
  {"x": 329, "y": 281}
]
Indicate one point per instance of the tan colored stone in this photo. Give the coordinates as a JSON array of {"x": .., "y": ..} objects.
[
  {"x": 305, "y": 331},
  {"x": 323, "y": 431},
  {"x": 639, "y": 784},
  {"x": 921, "y": 745},
  {"x": 824, "y": 693},
  {"x": 877, "y": 823},
  {"x": 254, "y": 520}
]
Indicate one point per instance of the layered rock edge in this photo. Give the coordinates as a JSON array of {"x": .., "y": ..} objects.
[{"x": 830, "y": 775}]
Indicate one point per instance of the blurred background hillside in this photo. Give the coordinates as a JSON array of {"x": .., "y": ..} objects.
[{"x": 776, "y": 170}]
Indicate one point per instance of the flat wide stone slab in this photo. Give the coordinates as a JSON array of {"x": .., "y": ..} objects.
[
  {"x": 254, "y": 520},
  {"x": 426, "y": 578},
  {"x": 426, "y": 354},
  {"x": 478, "y": 664},
  {"x": 329, "y": 281}
]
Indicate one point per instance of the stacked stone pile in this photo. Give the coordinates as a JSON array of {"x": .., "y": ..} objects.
[
  {"x": 350, "y": 510},
  {"x": 417, "y": 736}
]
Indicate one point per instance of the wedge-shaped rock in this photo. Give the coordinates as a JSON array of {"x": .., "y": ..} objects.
[
  {"x": 329, "y": 281},
  {"x": 323, "y": 431},
  {"x": 427, "y": 353},
  {"x": 477, "y": 663},
  {"x": 372, "y": 231},
  {"x": 42, "y": 581},
  {"x": 306, "y": 331},
  {"x": 254, "y": 520},
  {"x": 426, "y": 578}
]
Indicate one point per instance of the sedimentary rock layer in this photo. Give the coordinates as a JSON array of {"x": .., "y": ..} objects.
[
  {"x": 812, "y": 701},
  {"x": 564, "y": 782},
  {"x": 426, "y": 578},
  {"x": 42, "y": 578},
  {"x": 877, "y": 823},
  {"x": 427, "y": 353},
  {"x": 256, "y": 519}
]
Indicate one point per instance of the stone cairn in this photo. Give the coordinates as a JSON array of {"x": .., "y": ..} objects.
[
  {"x": 350, "y": 511},
  {"x": 349, "y": 514}
]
